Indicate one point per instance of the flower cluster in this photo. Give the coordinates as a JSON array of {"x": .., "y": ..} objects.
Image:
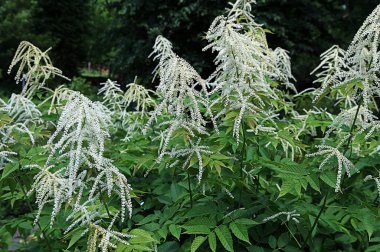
[
  {"x": 244, "y": 62},
  {"x": 194, "y": 149},
  {"x": 35, "y": 67},
  {"x": 23, "y": 112},
  {"x": 76, "y": 164},
  {"x": 182, "y": 91},
  {"x": 352, "y": 76},
  {"x": 340, "y": 157}
]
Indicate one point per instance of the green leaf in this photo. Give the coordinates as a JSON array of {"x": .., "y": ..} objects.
[
  {"x": 76, "y": 235},
  {"x": 373, "y": 248},
  {"x": 240, "y": 231},
  {"x": 247, "y": 222},
  {"x": 197, "y": 229},
  {"x": 141, "y": 236},
  {"x": 286, "y": 168},
  {"x": 286, "y": 187},
  {"x": 283, "y": 240},
  {"x": 212, "y": 241},
  {"x": 329, "y": 177},
  {"x": 9, "y": 168},
  {"x": 202, "y": 220},
  {"x": 368, "y": 221},
  {"x": 197, "y": 243},
  {"x": 224, "y": 236},
  {"x": 175, "y": 230},
  {"x": 272, "y": 242},
  {"x": 149, "y": 218},
  {"x": 219, "y": 156},
  {"x": 313, "y": 182}
]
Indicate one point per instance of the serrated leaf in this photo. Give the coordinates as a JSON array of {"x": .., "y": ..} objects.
[
  {"x": 141, "y": 236},
  {"x": 9, "y": 168},
  {"x": 197, "y": 229},
  {"x": 175, "y": 230},
  {"x": 197, "y": 243},
  {"x": 247, "y": 222},
  {"x": 240, "y": 231},
  {"x": 224, "y": 236},
  {"x": 272, "y": 242},
  {"x": 75, "y": 236},
  {"x": 313, "y": 182},
  {"x": 286, "y": 187},
  {"x": 149, "y": 218},
  {"x": 212, "y": 241},
  {"x": 285, "y": 168},
  {"x": 202, "y": 220},
  {"x": 219, "y": 156},
  {"x": 329, "y": 177}
]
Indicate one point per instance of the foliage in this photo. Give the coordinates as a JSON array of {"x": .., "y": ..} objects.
[{"x": 231, "y": 162}]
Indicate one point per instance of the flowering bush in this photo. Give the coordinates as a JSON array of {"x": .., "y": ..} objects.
[{"x": 237, "y": 161}]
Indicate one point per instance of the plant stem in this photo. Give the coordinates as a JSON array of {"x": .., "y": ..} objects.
[
  {"x": 190, "y": 191},
  {"x": 105, "y": 204},
  {"x": 242, "y": 163},
  {"x": 31, "y": 210},
  {"x": 316, "y": 220},
  {"x": 102, "y": 199},
  {"x": 348, "y": 146},
  {"x": 349, "y": 141}
]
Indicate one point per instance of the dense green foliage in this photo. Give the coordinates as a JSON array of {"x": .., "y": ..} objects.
[{"x": 236, "y": 162}]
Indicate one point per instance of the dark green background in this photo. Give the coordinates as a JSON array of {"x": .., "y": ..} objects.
[{"x": 119, "y": 34}]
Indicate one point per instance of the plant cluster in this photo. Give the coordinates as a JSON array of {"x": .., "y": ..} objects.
[{"x": 237, "y": 161}]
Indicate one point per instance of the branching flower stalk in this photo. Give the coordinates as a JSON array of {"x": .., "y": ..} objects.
[
  {"x": 35, "y": 67},
  {"x": 180, "y": 97},
  {"x": 196, "y": 149},
  {"x": 23, "y": 112},
  {"x": 244, "y": 63},
  {"x": 45, "y": 236},
  {"x": 77, "y": 148}
]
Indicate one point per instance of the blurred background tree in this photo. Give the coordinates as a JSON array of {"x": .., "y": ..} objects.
[
  {"x": 116, "y": 36},
  {"x": 64, "y": 25}
]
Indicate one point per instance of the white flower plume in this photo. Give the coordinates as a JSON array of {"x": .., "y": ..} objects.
[{"x": 35, "y": 67}]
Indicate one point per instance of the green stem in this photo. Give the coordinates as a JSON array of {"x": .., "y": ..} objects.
[
  {"x": 190, "y": 191},
  {"x": 348, "y": 146},
  {"x": 316, "y": 220},
  {"x": 349, "y": 141},
  {"x": 242, "y": 163},
  {"x": 31, "y": 210},
  {"x": 102, "y": 198}
]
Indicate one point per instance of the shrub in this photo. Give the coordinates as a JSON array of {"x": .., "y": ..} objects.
[{"x": 233, "y": 159}]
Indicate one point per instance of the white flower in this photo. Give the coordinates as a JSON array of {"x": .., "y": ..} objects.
[
  {"x": 23, "y": 112},
  {"x": 140, "y": 96},
  {"x": 196, "y": 149},
  {"x": 289, "y": 216},
  {"x": 110, "y": 179},
  {"x": 112, "y": 96},
  {"x": 343, "y": 162},
  {"x": 359, "y": 63},
  {"x": 4, "y": 158},
  {"x": 377, "y": 181},
  {"x": 49, "y": 186},
  {"x": 106, "y": 237},
  {"x": 57, "y": 97},
  {"x": 332, "y": 63},
  {"x": 181, "y": 88},
  {"x": 35, "y": 67},
  {"x": 82, "y": 128}
]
